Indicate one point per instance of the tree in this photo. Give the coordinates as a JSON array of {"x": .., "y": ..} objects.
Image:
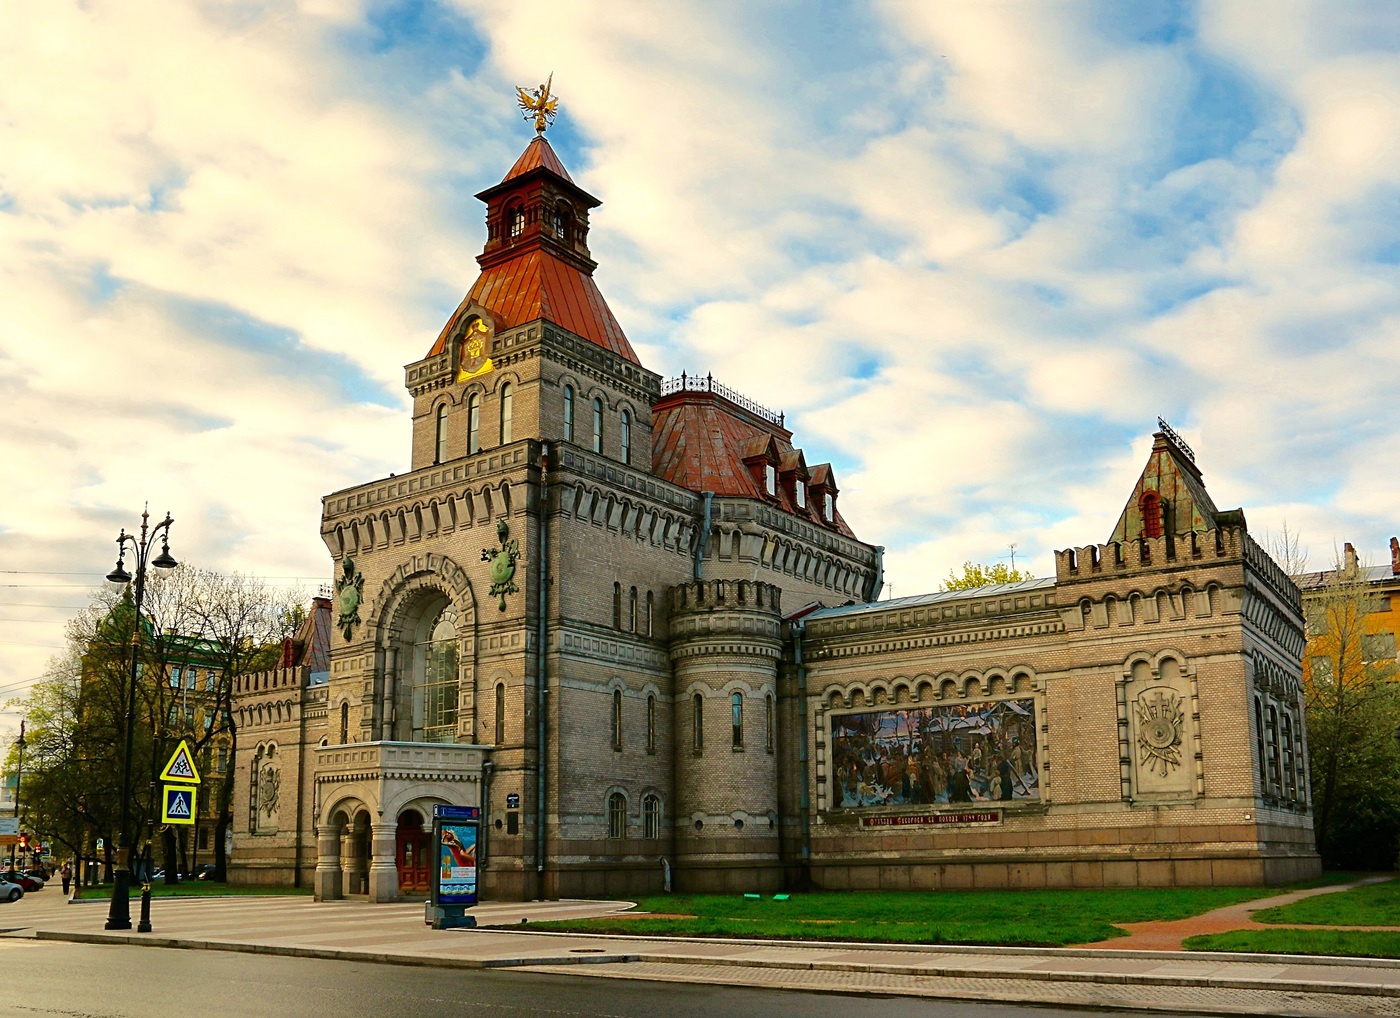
[
  {"x": 975, "y": 575},
  {"x": 225, "y": 625},
  {"x": 1353, "y": 717}
]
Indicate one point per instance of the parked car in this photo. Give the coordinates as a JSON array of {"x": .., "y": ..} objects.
[
  {"x": 205, "y": 872},
  {"x": 24, "y": 880},
  {"x": 10, "y": 891}
]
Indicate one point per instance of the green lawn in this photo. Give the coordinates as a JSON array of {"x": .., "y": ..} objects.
[
  {"x": 1370, "y": 905},
  {"x": 190, "y": 889},
  {"x": 1348, "y": 943},
  {"x": 1029, "y": 917}
]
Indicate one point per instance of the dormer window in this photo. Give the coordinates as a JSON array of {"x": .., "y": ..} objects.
[
  {"x": 829, "y": 508},
  {"x": 516, "y": 218},
  {"x": 770, "y": 478},
  {"x": 1151, "y": 507},
  {"x": 801, "y": 492}
]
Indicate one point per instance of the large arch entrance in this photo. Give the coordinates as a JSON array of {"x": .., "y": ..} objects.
[{"x": 412, "y": 854}]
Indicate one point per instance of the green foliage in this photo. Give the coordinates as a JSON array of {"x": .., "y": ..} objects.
[
  {"x": 1344, "y": 943},
  {"x": 975, "y": 575},
  {"x": 1022, "y": 917},
  {"x": 1353, "y": 714},
  {"x": 1367, "y": 905}
]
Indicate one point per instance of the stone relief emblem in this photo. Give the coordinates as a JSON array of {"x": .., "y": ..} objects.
[
  {"x": 1160, "y": 721},
  {"x": 349, "y": 591},
  {"x": 502, "y": 561},
  {"x": 269, "y": 781}
]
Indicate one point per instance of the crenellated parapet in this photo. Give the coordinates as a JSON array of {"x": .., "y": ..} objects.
[{"x": 1122, "y": 559}]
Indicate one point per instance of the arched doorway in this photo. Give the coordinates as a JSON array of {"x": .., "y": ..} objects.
[
  {"x": 411, "y": 854},
  {"x": 355, "y": 855}
]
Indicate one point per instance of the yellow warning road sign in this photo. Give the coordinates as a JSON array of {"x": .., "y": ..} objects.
[
  {"x": 181, "y": 766},
  {"x": 177, "y": 804}
]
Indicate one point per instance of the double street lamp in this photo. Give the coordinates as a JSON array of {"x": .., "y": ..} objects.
[
  {"x": 119, "y": 914},
  {"x": 19, "y": 777}
]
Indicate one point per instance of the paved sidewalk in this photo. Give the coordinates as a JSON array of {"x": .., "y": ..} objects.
[{"x": 352, "y": 931}]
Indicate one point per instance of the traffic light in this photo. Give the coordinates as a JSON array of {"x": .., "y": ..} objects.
[{"x": 24, "y": 842}]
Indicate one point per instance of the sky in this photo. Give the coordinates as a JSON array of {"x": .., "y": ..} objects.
[{"x": 972, "y": 249}]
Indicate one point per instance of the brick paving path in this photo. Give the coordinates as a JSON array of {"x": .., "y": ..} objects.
[{"x": 1168, "y": 936}]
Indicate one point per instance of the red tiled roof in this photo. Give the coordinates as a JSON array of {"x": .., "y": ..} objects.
[
  {"x": 534, "y": 285},
  {"x": 538, "y": 153},
  {"x": 700, "y": 442}
]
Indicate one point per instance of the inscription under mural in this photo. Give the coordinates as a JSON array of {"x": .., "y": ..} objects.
[
  {"x": 939, "y": 754},
  {"x": 922, "y": 819}
]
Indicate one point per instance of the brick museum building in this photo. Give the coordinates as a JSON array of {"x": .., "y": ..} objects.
[{"x": 625, "y": 617}]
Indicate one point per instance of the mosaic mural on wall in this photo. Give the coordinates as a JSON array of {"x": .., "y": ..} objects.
[{"x": 972, "y": 752}]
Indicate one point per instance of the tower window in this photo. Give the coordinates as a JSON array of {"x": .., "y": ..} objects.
[
  {"x": 626, "y": 437},
  {"x": 632, "y": 611},
  {"x": 650, "y": 603},
  {"x": 698, "y": 723},
  {"x": 651, "y": 816},
  {"x": 768, "y": 722},
  {"x": 736, "y": 710},
  {"x": 517, "y": 221},
  {"x": 440, "y": 455},
  {"x": 474, "y": 423},
  {"x": 500, "y": 713},
  {"x": 561, "y": 221},
  {"x": 568, "y": 413},
  {"x": 617, "y": 815},
  {"x": 597, "y": 424},
  {"x": 617, "y": 719},
  {"x": 344, "y": 723},
  {"x": 507, "y": 412},
  {"x": 651, "y": 723},
  {"x": 617, "y": 606},
  {"x": 1151, "y": 507}
]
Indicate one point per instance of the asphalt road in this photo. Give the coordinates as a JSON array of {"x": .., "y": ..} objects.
[{"x": 43, "y": 979}]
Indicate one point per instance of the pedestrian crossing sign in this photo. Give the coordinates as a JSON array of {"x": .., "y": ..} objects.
[
  {"x": 181, "y": 766},
  {"x": 178, "y": 804}
]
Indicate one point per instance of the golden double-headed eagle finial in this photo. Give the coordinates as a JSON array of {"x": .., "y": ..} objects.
[{"x": 538, "y": 103}]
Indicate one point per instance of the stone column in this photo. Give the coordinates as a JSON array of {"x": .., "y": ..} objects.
[
  {"x": 383, "y": 872},
  {"x": 328, "y": 885}
]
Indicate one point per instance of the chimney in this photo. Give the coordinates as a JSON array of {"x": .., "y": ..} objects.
[
  {"x": 1395, "y": 556},
  {"x": 1348, "y": 557}
]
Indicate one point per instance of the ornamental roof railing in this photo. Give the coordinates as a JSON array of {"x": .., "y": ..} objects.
[{"x": 707, "y": 383}]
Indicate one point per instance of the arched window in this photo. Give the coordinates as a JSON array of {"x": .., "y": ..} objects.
[
  {"x": 568, "y": 413},
  {"x": 597, "y": 424},
  {"x": 617, "y": 605},
  {"x": 344, "y": 723},
  {"x": 626, "y": 437},
  {"x": 507, "y": 412},
  {"x": 434, "y": 703},
  {"x": 474, "y": 423},
  {"x": 1290, "y": 787},
  {"x": 516, "y": 216},
  {"x": 698, "y": 723},
  {"x": 1259, "y": 747},
  {"x": 650, "y": 603},
  {"x": 632, "y": 610},
  {"x": 440, "y": 454},
  {"x": 768, "y": 707},
  {"x": 253, "y": 770},
  {"x": 561, "y": 221},
  {"x": 651, "y": 816},
  {"x": 500, "y": 713},
  {"x": 651, "y": 723},
  {"x": 617, "y": 815},
  {"x": 617, "y": 719},
  {"x": 1271, "y": 734},
  {"x": 736, "y": 711},
  {"x": 1151, "y": 507}
]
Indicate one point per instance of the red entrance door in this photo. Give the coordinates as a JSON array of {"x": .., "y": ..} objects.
[{"x": 411, "y": 855}]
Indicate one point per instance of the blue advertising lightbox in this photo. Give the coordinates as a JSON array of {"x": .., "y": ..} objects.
[{"x": 455, "y": 839}]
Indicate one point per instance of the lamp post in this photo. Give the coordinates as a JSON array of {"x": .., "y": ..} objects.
[
  {"x": 119, "y": 914},
  {"x": 19, "y": 777}
]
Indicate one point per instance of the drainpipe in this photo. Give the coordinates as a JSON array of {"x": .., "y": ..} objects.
[
  {"x": 708, "y": 498},
  {"x": 301, "y": 767},
  {"x": 484, "y": 838},
  {"x": 804, "y": 799},
  {"x": 877, "y": 582},
  {"x": 541, "y": 691}
]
